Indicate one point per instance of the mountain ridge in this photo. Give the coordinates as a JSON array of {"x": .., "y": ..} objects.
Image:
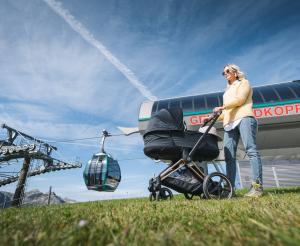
[{"x": 33, "y": 197}]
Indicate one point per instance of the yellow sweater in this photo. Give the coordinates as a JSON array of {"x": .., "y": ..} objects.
[{"x": 237, "y": 100}]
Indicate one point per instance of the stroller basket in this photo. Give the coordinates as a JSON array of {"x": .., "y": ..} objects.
[{"x": 183, "y": 181}]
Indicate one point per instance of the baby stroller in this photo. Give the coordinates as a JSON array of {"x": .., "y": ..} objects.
[{"x": 167, "y": 139}]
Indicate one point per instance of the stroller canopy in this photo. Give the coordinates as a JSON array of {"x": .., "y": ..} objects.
[{"x": 166, "y": 120}]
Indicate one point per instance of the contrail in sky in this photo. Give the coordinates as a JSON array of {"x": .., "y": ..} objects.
[{"x": 85, "y": 34}]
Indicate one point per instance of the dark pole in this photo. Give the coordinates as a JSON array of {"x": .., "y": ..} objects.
[
  {"x": 49, "y": 195},
  {"x": 213, "y": 119},
  {"x": 16, "y": 202},
  {"x": 105, "y": 134},
  {"x": 4, "y": 203}
]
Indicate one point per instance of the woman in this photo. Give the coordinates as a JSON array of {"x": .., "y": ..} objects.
[{"x": 239, "y": 121}]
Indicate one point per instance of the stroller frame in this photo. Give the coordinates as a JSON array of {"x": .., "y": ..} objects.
[{"x": 210, "y": 188}]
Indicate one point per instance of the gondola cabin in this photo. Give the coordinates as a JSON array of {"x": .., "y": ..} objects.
[{"x": 102, "y": 173}]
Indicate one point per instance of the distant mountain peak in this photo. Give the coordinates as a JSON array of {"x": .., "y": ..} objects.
[{"x": 33, "y": 197}]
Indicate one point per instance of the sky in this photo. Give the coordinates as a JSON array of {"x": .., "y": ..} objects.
[{"x": 69, "y": 69}]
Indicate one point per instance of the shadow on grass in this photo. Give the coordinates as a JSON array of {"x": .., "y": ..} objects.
[
  {"x": 271, "y": 191},
  {"x": 283, "y": 190},
  {"x": 241, "y": 192}
]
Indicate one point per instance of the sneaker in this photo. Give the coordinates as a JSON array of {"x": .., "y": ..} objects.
[{"x": 255, "y": 191}]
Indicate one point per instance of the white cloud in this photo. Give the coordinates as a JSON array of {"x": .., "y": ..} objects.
[
  {"x": 28, "y": 111},
  {"x": 121, "y": 147},
  {"x": 65, "y": 78},
  {"x": 85, "y": 33},
  {"x": 51, "y": 130},
  {"x": 60, "y": 72},
  {"x": 274, "y": 60}
]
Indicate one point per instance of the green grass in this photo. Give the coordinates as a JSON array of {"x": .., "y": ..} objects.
[{"x": 273, "y": 219}]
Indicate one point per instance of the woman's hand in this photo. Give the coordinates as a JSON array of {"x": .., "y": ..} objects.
[
  {"x": 218, "y": 109},
  {"x": 206, "y": 118}
]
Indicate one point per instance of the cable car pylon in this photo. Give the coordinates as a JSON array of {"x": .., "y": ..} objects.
[{"x": 19, "y": 145}]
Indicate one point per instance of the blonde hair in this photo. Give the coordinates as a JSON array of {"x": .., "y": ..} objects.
[{"x": 235, "y": 68}]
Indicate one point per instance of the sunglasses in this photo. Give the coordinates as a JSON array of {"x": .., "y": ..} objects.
[{"x": 226, "y": 72}]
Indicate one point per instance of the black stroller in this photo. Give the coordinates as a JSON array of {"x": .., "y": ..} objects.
[{"x": 167, "y": 139}]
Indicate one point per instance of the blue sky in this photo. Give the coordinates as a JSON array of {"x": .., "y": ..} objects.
[{"x": 70, "y": 70}]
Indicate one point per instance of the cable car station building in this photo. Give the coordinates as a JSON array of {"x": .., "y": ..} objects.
[{"x": 277, "y": 109}]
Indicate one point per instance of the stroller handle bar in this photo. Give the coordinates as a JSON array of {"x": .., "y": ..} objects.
[{"x": 212, "y": 119}]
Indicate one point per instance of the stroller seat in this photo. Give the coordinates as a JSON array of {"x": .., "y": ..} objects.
[{"x": 166, "y": 138}]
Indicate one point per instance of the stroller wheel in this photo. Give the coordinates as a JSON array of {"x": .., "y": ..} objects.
[
  {"x": 152, "y": 196},
  {"x": 188, "y": 196},
  {"x": 217, "y": 186},
  {"x": 164, "y": 194}
]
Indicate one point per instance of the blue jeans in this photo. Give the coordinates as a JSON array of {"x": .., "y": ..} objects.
[{"x": 247, "y": 131}]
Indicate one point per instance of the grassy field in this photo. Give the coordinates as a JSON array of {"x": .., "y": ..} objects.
[{"x": 273, "y": 219}]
